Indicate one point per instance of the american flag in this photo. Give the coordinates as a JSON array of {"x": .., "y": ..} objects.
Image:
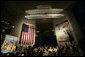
[{"x": 27, "y": 35}]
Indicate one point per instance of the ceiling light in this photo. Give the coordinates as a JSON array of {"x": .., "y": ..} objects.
[
  {"x": 44, "y": 16},
  {"x": 44, "y": 11}
]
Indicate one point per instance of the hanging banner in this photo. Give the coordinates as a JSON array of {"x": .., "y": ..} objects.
[
  {"x": 61, "y": 32},
  {"x": 9, "y": 44}
]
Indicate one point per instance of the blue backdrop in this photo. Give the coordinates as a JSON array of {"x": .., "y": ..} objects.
[{"x": 46, "y": 41}]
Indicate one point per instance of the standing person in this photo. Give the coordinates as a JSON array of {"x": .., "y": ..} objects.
[
  {"x": 57, "y": 53},
  {"x": 46, "y": 52},
  {"x": 64, "y": 51},
  {"x": 70, "y": 35},
  {"x": 81, "y": 52},
  {"x": 70, "y": 51},
  {"x": 55, "y": 49},
  {"x": 53, "y": 52},
  {"x": 50, "y": 49},
  {"x": 60, "y": 50},
  {"x": 8, "y": 54}
]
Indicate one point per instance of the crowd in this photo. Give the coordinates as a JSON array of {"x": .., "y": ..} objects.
[{"x": 72, "y": 50}]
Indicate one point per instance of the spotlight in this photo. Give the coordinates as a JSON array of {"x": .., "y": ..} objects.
[
  {"x": 2, "y": 21},
  {"x": 12, "y": 26}
]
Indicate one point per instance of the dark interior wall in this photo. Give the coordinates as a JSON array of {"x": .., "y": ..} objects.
[
  {"x": 74, "y": 24},
  {"x": 45, "y": 29},
  {"x": 78, "y": 11},
  {"x": 18, "y": 26},
  {"x": 78, "y": 34}
]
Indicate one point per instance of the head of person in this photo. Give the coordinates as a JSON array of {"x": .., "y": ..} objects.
[
  {"x": 8, "y": 54},
  {"x": 71, "y": 48}
]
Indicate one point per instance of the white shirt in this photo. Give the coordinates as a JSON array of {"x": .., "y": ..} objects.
[
  {"x": 50, "y": 50},
  {"x": 55, "y": 49}
]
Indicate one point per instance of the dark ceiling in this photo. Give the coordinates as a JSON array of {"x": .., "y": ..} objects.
[{"x": 13, "y": 10}]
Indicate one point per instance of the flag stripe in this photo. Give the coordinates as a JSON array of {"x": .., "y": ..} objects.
[
  {"x": 29, "y": 35},
  {"x": 33, "y": 37},
  {"x": 27, "y": 38}
]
